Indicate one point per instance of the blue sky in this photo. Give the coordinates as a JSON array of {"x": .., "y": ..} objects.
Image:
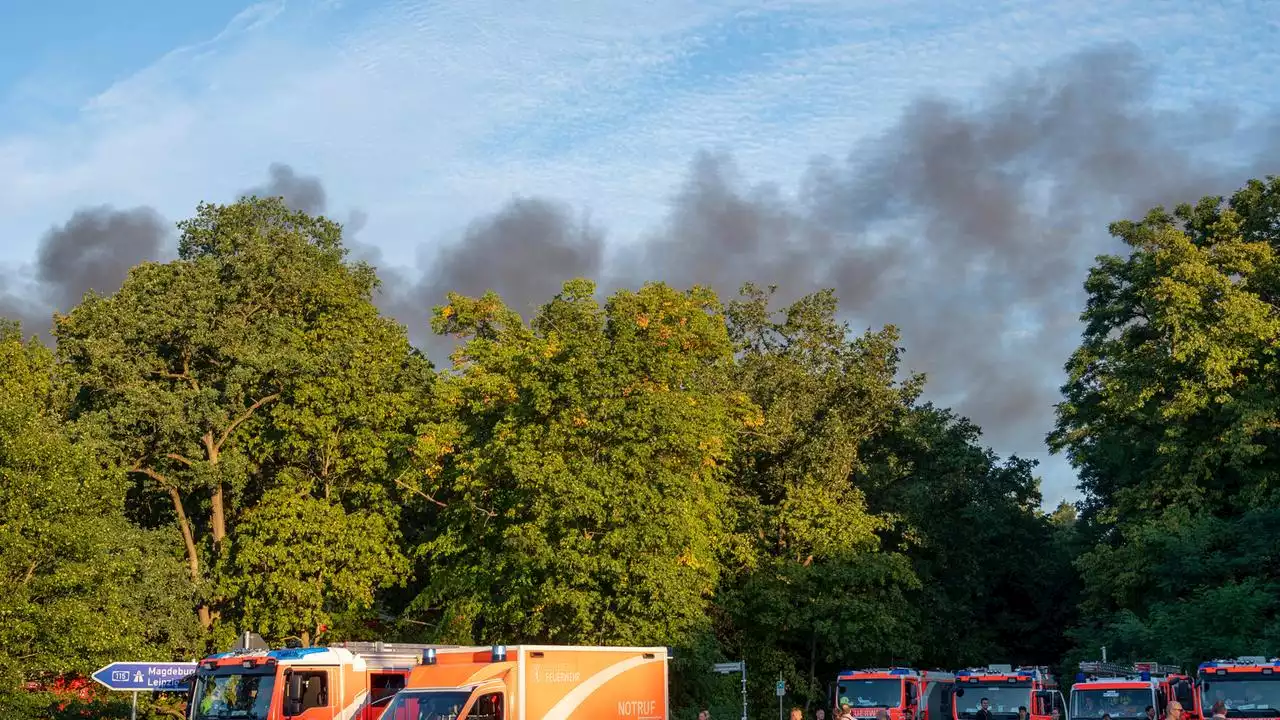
[{"x": 427, "y": 114}]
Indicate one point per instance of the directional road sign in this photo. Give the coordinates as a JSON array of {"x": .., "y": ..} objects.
[
  {"x": 726, "y": 668},
  {"x": 163, "y": 676},
  {"x": 782, "y": 688}
]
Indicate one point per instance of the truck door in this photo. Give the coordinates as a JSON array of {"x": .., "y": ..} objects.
[
  {"x": 309, "y": 694},
  {"x": 489, "y": 706},
  {"x": 944, "y": 692},
  {"x": 1060, "y": 704},
  {"x": 1041, "y": 703},
  {"x": 1183, "y": 692},
  {"x": 911, "y": 706}
]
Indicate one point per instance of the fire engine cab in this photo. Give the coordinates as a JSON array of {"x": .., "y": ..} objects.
[
  {"x": 1249, "y": 687},
  {"x": 1121, "y": 692},
  {"x": 1004, "y": 689},
  {"x": 351, "y": 681},
  {"x": 906, "y": 693}
]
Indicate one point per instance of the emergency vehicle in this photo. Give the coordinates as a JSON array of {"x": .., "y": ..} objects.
[
  {"x": 1180, "y": 687},
  {"x": 1249, "y": 687},
  {"x": 346, "y": 681},
  {"x": 1006, "y": 688},
  {"x": 906, "y": 693},
  {"x": 536, "y": 682},
  {"x": 1123, "y": 692}
]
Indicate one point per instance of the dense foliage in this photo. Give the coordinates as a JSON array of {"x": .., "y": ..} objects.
[{"x": 238, "y": 439}]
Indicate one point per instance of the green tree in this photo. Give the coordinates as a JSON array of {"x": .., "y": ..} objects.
[
  {"x": 996, "y": 579},
  {"x": 1171, "y": 416},
  {"x": 578, "y": 468},
  {"x": 82, "y": 587},
  {"x": 250, "y": 354},
  {"x": 815, "y": 588}
]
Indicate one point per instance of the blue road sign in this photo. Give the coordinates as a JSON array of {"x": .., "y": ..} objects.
[{"x": 163, "y": 676}]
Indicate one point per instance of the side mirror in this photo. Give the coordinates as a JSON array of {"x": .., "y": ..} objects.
[{"x": 293, "y": 695}]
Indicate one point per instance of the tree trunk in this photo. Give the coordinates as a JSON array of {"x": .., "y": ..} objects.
[
  {"x": 813, "y": 669},
  {"x": 218, "y": 518},
  {"x": 193, "y": 557},
  {"x": 188, "y": 538}
]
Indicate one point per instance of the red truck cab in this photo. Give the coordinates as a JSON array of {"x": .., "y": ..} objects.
[
  {"x": 1249, "y": 688},
  {"x": 1121, "y": 692},
  {"x": 1006, "y": 689},
  {"x": 904, "y": 693}
]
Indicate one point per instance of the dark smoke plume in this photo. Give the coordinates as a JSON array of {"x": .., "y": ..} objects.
[
  {"x": 306, "y": 193},
  {"x": 96, "y": 247},
  {"x": 94, "y": 251},
  {"x": 970, "y": 227},
  {"x": 526, "y": 252},
  {"x": 301, "y": 193}
]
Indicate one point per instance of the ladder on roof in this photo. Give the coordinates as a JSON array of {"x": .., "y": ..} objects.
[
  {"x": 385, "y": 648},
  {"x": 1107, "y": 669},
  {"x": 1156, "y": 669}
]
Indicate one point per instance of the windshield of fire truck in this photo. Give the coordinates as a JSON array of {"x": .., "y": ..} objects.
[
  {"x": 429, "y": 705},
  {"x": 1095, "y": 702},
  {"x": 236, "y": 695},
  {"x": 1252, "y": 697},
  {"x": 1003, "y": 699},
  {"x": 870, "y": 693}
]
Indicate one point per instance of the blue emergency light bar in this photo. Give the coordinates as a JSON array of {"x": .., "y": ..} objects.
[
  {"x": 429, "y": 656},
  {"x": 499, "y": 653}
]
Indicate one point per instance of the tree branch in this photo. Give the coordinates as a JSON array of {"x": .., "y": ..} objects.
[
  {"x": 419, "y": 491},
  {"x": 245, "y": 416},
  {"x": 179, "y": 458}
]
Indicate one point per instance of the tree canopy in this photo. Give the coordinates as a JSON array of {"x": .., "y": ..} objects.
[{"x": 238, "y": 439}]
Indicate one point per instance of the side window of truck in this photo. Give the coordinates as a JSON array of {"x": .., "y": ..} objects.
[
  {"x": 315, "y": 690},
  {"x": 487, "y": 707},
  {"x": 384, "y": 686}
]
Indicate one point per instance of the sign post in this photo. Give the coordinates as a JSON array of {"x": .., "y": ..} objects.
[
  {"x": 733, "y": 667},
  {"x": 134, "y": 677},
  {"x": 782, "y": 690}
]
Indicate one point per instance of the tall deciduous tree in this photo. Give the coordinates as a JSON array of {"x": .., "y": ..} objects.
[
  {"x": 1172, "y": 416},
  {"x": 816, "y": 588},
  {"x": 248, "y": 354},
  {"x": 579, "y": 469},
  {"x": 81, "y": 586}
]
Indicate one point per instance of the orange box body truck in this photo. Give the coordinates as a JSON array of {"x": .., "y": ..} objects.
[{"x": 536, "y": 682}]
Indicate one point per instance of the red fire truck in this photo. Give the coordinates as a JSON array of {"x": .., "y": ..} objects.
[
  {"x": 1004, "y": 689},
  {"x": 1122, "y": 692},
  {"x": 906, "y": 693},
  {"x": 1248, "y": 687}
]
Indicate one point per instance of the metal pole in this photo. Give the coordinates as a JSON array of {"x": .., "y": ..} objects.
[
  {"x": 134, "y": 715},
  {"x": 744, "y": 690},
  {"x": 780, "y": 716},
  {"x": 1104, "y": 653}
]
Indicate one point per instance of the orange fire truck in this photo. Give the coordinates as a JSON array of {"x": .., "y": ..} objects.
[
  {"x": 1122, "y": 692},
  {"x": 906, "y": 693},
  {"x": 536, "y": 682},
  {"x": 1003, "y": 689},
  {"x": 348, "y": 681},
  {"x": 1249, "y": 687}
]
